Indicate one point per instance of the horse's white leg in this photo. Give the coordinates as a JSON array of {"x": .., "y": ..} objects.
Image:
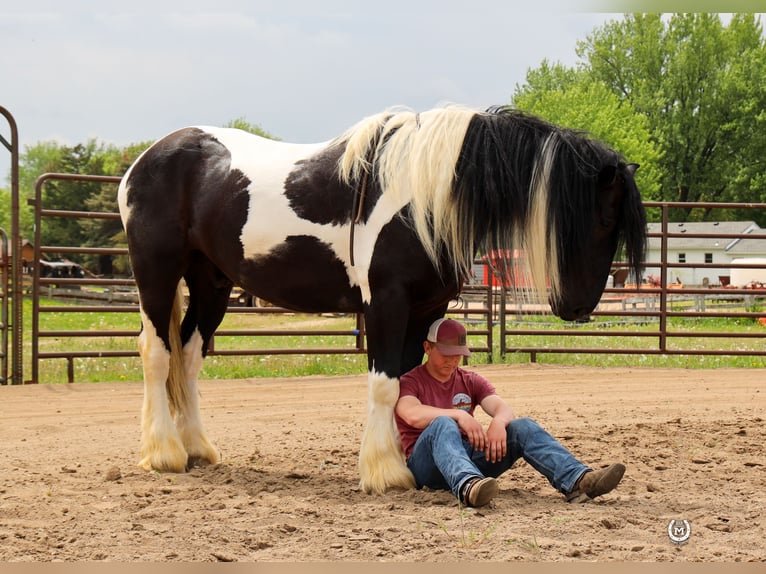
[
  {"x": 161, "y": 447},
  {"x": 188, "y": 419},
  {"x": 381, "y": 460}
]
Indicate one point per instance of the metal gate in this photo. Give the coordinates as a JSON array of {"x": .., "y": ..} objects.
[
  {"x": 66, "y": 282},
  {"x": 5, "y": 295}
]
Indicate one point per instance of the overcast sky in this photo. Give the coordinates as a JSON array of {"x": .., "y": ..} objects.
[{"x": 304, "y": 70}]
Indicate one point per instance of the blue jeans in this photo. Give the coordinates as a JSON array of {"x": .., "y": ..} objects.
[{"x": 443, "y": 459}]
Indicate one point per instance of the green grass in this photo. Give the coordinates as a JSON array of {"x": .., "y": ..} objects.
[
  {"x": 54, "y": 370},
  {"x": 467, "y": 538},
  {"x": 685, "y": 334},
  {"x": 281, "y": 365}
]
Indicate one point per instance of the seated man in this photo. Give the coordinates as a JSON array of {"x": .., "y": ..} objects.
[{"x": 447, "y": 448}]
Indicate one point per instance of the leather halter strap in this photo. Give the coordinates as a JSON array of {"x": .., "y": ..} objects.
[{"x": 358, "y": 208}]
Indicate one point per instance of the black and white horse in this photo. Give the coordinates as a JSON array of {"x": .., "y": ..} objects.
[{"x": 385, "y": 220}]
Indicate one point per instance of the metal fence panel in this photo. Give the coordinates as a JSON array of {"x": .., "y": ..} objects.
[{"x": 485, "y": 307}]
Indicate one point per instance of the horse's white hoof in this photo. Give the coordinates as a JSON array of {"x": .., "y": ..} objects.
[
  {"x": 172, "y": 459},
  {"x": 396, "y": 475},
  {"x": 380, "y": 487}
]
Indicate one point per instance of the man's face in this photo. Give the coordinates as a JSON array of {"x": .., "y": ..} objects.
[{"x": 441, "y": 366}]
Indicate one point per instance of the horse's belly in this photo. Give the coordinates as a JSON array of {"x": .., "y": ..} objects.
[{"x": 302, "y": 274}]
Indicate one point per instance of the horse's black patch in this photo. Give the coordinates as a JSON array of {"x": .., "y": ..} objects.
[
  {"x": 317, "y": 194},
  {"x": 221, "y": 204},
  {"x": 303, "y": 274}
]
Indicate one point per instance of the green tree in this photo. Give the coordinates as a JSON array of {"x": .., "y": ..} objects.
[
  {"x": 700, "y": 85},
  {"x": 71, "y": 196},
  {"x": 109, "y": 232},
  {"x": 5, "y": 210},
  {"x": 91, "y": 158},
  {"x": 242, "y": 124},
  {"x": 41, "y": 158}
]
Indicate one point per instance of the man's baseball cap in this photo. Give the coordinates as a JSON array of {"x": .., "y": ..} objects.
[{"x": 449, "y": 337}]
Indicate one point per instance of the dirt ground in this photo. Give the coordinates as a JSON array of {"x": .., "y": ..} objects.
[{"x": 287, "y": 489}]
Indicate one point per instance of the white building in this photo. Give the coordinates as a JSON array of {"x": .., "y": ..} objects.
[{"x": 707, "y": 250}]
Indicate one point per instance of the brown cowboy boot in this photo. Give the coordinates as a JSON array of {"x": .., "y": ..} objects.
[
  {"x": 478, "y": 491},
  {"x": 594, "y": 483}
]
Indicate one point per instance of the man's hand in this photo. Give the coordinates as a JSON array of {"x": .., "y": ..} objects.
[
  {"x": 497, "y": 436},
  {"x": 473, "y": 430},
  {"x": 497, "y": 442}
]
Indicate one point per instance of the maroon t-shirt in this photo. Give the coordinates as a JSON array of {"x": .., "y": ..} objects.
[{"x": 464, "y": 390}]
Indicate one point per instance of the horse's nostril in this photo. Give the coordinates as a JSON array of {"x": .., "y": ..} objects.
[{"x": 582, "y": 315}]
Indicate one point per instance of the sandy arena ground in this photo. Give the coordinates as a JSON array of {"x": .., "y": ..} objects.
[{"x": 287, "y": 489}]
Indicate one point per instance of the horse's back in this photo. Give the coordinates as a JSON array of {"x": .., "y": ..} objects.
[
  {"x": 183, "y": 167},
  {"x": 247, "y": 149}
]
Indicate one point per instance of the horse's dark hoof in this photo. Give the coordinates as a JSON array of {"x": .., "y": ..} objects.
[{"x": 196, "y": 462}]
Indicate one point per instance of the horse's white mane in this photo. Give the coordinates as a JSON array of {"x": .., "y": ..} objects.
[{"x": 417, "y": 155}]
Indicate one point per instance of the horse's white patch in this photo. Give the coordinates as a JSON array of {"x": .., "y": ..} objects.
[
  {"x": 122, "y": 201},
  {"x": 266, "y": 163},
  {"x": 122, "y": 198},
  {"x": 271, "y": 220}
]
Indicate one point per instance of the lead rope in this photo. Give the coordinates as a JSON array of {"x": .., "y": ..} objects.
[{"x": 359, "y": 204}]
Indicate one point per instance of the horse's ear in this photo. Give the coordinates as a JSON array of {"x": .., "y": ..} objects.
[
  {"x": 607, "y": 175},
  {"x": 632, "y": 167}
]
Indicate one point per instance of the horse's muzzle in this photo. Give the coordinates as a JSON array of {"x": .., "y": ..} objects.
[{"x": 568, "y": 313}]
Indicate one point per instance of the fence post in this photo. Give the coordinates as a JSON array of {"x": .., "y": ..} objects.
[
  {"x": 663, "y": 341},
  {"x": 17, "y": 343},
  {"x": 5, "y": 269}
]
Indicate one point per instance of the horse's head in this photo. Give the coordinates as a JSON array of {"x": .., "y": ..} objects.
[{"x": 617, "y": 227}]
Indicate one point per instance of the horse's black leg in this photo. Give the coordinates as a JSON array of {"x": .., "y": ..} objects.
[{"x": 209, "y": 293}]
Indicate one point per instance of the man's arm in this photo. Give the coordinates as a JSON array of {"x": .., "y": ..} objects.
[
  {"x": 418, "y": 415},
  {"x": 498, "y": 409}
]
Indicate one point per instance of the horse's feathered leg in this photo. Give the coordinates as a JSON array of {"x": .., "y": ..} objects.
[
  {"x": 158, "y": 262},
  {"x": 381, "y": 460},
  {"x": 208, "y": 298},
  {"x": 161, "y": 445},
  {"x": 188, "y": 418},
  {"x": 395, "y": 338}
]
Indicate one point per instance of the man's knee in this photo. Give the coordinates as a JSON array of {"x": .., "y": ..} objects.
[
  {"x": 439, "y": 429},
  {"x": 521, "y": 427}
]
